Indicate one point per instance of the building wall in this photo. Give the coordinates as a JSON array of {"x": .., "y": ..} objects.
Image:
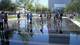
[
  {"x": 50, "y": 4},
  {"x": 60, "y": 1},
  {"x": 55, "y": 4}
]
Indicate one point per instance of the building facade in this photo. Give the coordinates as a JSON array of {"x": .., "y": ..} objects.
[{"x": 57, "y": 4}]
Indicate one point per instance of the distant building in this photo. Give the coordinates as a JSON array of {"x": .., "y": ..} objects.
[{"x": 57, "y": 4}]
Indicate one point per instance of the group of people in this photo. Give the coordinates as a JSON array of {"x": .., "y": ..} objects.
[
  {"x": 28, "y": 15},
  {"x": 3, "y": 20},
  {"x": 57, "y": 20}
]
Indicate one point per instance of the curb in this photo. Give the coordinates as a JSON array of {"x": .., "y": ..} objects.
[
  {"x": 74, "y": 21},
  {"x": 14, "y": 19}
]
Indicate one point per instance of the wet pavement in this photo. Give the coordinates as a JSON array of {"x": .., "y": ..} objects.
[{"x": 41, "y": 33}]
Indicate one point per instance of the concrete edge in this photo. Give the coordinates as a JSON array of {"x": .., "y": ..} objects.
[
  {"x": 74, "y": 21},
  {"x": 14, "y": 19}
]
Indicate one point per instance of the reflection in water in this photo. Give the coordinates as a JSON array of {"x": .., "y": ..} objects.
[
  {"x": 56, "y": 38},
  {"x": 6, "y": 25},
  {"x": 41, "y": 30},
  {"x": 47, "y": 37},
  {"x": 41, "y": 26},
  {"x": 59, "y": 39},
  {"x": 5, "y": 37},
  {"x": 74, "y": 39},
  {"x": 27, "y": 34},
  {"x": 18, "y": 22},
  {"x": 5, "y": 34},
  {"x": 26, "y": 37},
  {"x": 29, "y": 27}
]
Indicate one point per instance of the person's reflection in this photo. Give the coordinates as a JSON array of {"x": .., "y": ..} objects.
[
  {"x": 18, "y": 25},
  {"x": 49, "y": 25},
  {"x": 30, "y": 29},
  {"x": 58, "y": 27},
  {"x": 31, "y": 34},
  {"x": 5, "y": 38},
  {"x": 59, "y": 39},
  {"x": 41, "y": 27}
]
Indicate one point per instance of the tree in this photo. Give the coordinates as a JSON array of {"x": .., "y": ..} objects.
[
  {"x": 27, "y": 3},
  {"x": 74, "y": 6},
  {"x": 6, "y": 5},
  {"x": 40, "y": 8}
]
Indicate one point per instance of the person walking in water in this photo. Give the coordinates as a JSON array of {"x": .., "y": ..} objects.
[
  {"x": 30, "y": 17},
  {"x": 18, "y": 18},
  {"x": 41, "y": 22},
  {"x": 1, "y": 20},
  {"x": 18, "y": 15},
  {"x": 60, "y": 18},
  {"x": 58, "y": 21},
  {"x": 27, "y": 17},
  {"x": 6, "y": 21}
]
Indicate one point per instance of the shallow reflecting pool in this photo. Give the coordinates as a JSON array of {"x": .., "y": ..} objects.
[{"x": 41, "y": 33}]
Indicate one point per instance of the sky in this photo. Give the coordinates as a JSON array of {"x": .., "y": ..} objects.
[{"x": 42, "y": 2}]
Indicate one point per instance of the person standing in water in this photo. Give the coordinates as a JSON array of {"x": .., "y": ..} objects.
[
  {"x": 30, "y": 17},
  {"x": 6, "y": 20},
  {"x": 27, "y": 17},
  {"x": 1, "y": 21},
  {"x": 18, "y": 15},
  {"x": 41, "y": 22}
]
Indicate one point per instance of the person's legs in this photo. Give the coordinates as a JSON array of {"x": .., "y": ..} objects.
[
  {"x": 31, "y": 20},
  {"x": 58, "y": 23},
  {"x": 6, "y": 24},
  {"x": 41, "y": 22},
  {"x": 55, "y": 23},
  {"x": 60, "y": 26},
  {"x": 61, "y": 21},
  {"x": 1, "y": 25},
  {"x": 27, "y": 20}
]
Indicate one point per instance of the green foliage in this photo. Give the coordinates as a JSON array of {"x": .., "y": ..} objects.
[
  {"x": 74, "y": 6},
  {"x": 27, "y": 3},
  {"x": 30, "y": 7},
  {"x": 40, "y": 8},
  {"x": 6, "y": 5}
]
